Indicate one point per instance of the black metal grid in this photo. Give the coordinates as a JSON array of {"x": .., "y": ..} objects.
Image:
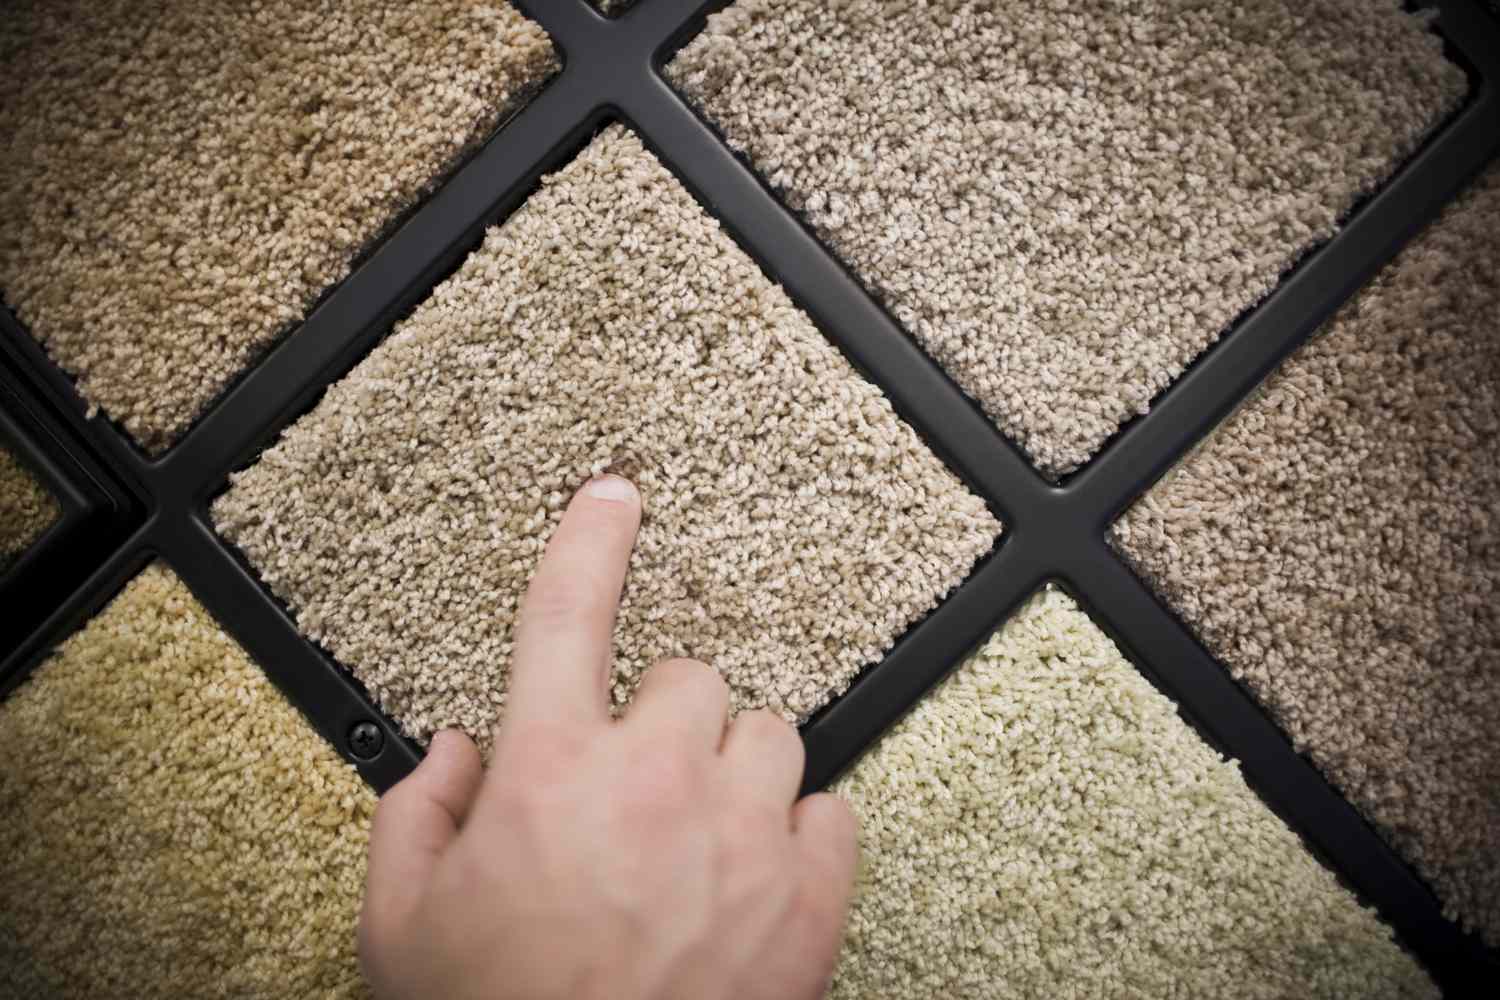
[
  {"x": 1055, "y": 532},
  {"x": 94, "y": 513}
]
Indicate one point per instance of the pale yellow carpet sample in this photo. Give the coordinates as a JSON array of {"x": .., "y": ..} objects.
[
  {"x": 169, "y": 825},
  {"x": 1044, "y": 825}
]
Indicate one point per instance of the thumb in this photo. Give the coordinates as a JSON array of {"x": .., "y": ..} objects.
[{"x": 416, "y": 821}]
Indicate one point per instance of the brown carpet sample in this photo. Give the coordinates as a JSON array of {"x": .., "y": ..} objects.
[
  {"x": 184, "y": 179},
  {"x": 26, "y": 508},
  {"x": 1066, "y": 203},
  {"x": 794, "y": 526},
  {"x": 169, "y": 825},
  {"x": 1044, "y": 825},
  {"x": 1337, "y": 544}
]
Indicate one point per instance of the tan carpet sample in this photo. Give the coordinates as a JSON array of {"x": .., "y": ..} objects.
[
  {"x": 184, "y": 179},
  {"x": 794, "y": 526},
  {"x": 1066, "y": 203},
  {"x": 1337, "y": 544},
  {"x": 26, "y": 508},
  {"x": 171, "y": 826},
  {"x": 1045, "y": 825}
]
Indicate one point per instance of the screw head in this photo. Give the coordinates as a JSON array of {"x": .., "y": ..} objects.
[{"x": 366, "y": 740}]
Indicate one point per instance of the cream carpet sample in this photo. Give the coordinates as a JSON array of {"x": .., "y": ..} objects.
[
  {"x": 1067, "y": 203},
  {"x": 794, "y": 525},
  {"x": 26, "y": 508},
  {"x": 172, "y": 827},
  {"x": 186, "y": 179},
  {"x": 1336, "y": 543},
  {"x": 1045, "y": 825}
]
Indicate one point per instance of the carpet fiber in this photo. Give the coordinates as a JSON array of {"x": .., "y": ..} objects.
[
  {"x": 171, "y": 827},
  {"x": 1066, "y": 203},
  {"x": 794, "y": 526},
  {"x": 185, "y": 179},
  {"x": 1044, "y": 825},
  {"x": 1337, "y": 544},
  {"x": 26, "y": 508}
]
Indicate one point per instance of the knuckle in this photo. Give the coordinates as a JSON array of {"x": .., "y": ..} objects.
[
  {"x": 536, "y": 741},
  {"x": 390, "y": 806},
  {"x": 834, "y": 821},
  {"x": 662, "y": 775},
  {"x": 687, "y": 670},
  {"x": 763, "y": 726}
]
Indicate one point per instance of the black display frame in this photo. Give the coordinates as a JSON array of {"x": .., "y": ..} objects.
[{"x": 124, "y": 509}]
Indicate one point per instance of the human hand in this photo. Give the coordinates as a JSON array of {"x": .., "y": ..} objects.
[{"x": 660, "y": 856}]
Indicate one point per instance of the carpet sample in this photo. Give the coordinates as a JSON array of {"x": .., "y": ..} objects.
[
  {"x": 187, "y": 179},
  {"x": 1067, "y": 203},
  {"x": 794, "y": 526},
  {"x": 172, "y": 827},
  {"x": 1044, "y": 825},
  {"x": 26, "y": 508},
  {"x": 1336, "y": 543}
]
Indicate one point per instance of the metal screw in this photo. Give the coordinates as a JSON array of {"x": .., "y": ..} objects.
[{"x": 366, "y": 740}]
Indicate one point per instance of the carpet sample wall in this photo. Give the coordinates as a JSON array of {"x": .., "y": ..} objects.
[
  {"x": 1044, "y": 824},
  {"x": 26, "y": 508},
  {"x": 1066, "y": 203},
  {"x": 171, "y": 826},
  {"x": 794, "y": 525},
  {"x": 1336, "y": 543},
  {"x": 186, "y": 179}
]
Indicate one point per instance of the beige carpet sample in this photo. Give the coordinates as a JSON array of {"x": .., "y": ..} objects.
[
  {"x": 1336, "y": 543},
  {"x": 1044, "y": 825},
  {"x": 171, "y": 826},
  {"x": 1066, "y": 203},
  {"x": 186, "y": 179},
  {"x": 26, "y": 508},
  {"x": 794, "y": 526}
]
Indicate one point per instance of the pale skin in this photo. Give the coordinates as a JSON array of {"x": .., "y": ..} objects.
[{"x": 661, "y": 856}]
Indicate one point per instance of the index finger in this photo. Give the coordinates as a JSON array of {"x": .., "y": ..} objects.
[{"x": 560, "y": 670}]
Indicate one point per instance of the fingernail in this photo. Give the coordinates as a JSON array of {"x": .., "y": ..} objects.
[{"x": 612, "y": 488}]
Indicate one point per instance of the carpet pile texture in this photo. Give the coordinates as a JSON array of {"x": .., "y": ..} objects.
[
  {"x": 794, "y": 525},
  {"x": 186, "y": 179},
  {"x": 1336, "y": 543},
  {"x": 1044, "y": 824},
  {"x": 26, "y": 508},
  {"x": 1066, "y": 203},
  {"x": 171, "y": 826}
]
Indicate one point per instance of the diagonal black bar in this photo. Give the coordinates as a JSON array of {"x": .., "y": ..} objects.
[{"x": 326, "y": 694}]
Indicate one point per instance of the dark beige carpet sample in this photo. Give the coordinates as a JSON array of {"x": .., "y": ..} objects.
[
  {"x": 26, "y": 508},
  {"x": 794, "y": 525},
  {"x": 1337, "y": 544},
  {"x": 1066, "y": 203},
  {"x": 183, "y": 180},
  {"x": 1043, "y": 824},
  {"x": 169, "y": 825}
]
